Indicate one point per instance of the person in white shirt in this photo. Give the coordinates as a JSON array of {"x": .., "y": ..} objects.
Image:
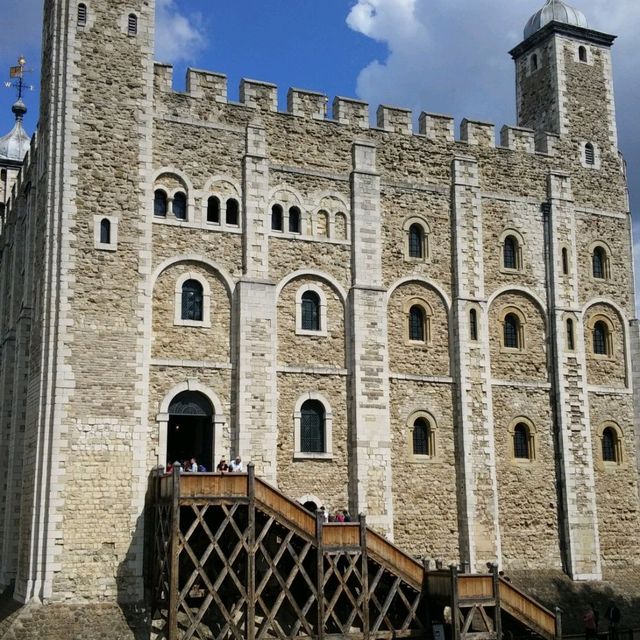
[
  {"x": 236, "y": 465},
  {"x": 193, "y": 466}
]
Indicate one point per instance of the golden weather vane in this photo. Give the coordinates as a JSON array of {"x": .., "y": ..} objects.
[{"x": 17, "y": 78}]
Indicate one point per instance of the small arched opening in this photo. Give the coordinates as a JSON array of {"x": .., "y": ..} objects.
[{"x": 191, "y": 429}]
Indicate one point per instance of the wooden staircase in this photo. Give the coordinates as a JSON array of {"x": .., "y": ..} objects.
[{"x": 234, "y": 558}]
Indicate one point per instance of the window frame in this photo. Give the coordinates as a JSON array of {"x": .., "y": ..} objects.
[
  {"x": 531, "y": 433},
  {"x": 82, "y": 15},
  {"x": 214, "y": 201},
  {"x": 97, "y": 235},
  {"x": 618, "y": 446},
  {"x": 294, "y": 214},
  {"x": 178, "y": 320},
  {"x": 600, "y": 249},
  {"x": 425, "y": 230},
  {"x": 322, "y": 298},
  {"x": 517, "y": 252},
  {"x": 156, "y": 191},
  {"x": 180, "y": 196},
  {"x": 133, "y": 24},
  {"x": 298, "y": 454},
  {"x": 434, "y": 454}
]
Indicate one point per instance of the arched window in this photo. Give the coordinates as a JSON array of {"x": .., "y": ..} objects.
[
  {"x": 132, "y": 24},
  {"x": 521, "y": 443},
  {"x": 192, "y": 301},
  {"x": 233, "y": 212},
  {"x": 341, "y": 226},
  {"x": 510, "y": 253},
  {"x": 512, "y": 331},
  {"x": 582, "y": 54},
  {"x": 565, "y": 261},
  {"x": 534, "y": 61},
  {"x": 310, "y": 311},
  {"x": 600, "y": 339},
  {"x": 416, "y": 241},
  {"x": 180, "y": 205},
  {"x": 570, "y": 336},
  {"x": 160, "y": 203},
  {"x": 599, "y": 260},
  {"x": 589, "y": 154},
  {"x": 312, "y": 436},
  {"x": 422, "y": 440},
  {"x": 105, "y": 231},
  {"x": 213, "y": 209},
  {"x": 82, "y": 15},
  {"x": 277, "y": 214},
  {"x": 294, "y": 220},
  {"x": 473, "y": 325},
  {"x": 610, "y": 445},
  {"x": 416, "y": 324}
]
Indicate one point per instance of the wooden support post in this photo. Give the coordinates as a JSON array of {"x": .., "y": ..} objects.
[
  {"x": 455, "y": 609},
  {"x": 497, "y": 622},
  {"x": 320, "y": 572},
  {"x": 365, "y": 577},
  {"x": 559, "y": 623},
  {"x": 175, "y": 555},
  {"x": 250, "y": 625}
]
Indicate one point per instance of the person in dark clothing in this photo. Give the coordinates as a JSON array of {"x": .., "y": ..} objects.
[
  {"x": 613, "y": 618},
  {"x": 591, "y": 622}
]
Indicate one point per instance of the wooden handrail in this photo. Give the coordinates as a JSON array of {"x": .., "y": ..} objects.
[
  {"x": 522, "y": 605},
  {"x": 409, "y": 568}
]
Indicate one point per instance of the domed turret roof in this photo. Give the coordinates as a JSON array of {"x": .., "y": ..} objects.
[
  {"x": 15, "y": 144},
  {"x": 554, "y": 11}
]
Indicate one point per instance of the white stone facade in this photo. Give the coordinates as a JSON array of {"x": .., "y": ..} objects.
[{"x": 515, "y": 327}]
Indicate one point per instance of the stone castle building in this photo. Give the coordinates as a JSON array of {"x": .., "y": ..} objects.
[{"x": 436, "y": 332}]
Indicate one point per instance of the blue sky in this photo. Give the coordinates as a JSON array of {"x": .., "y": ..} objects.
[{"x": 447, "y": 56}]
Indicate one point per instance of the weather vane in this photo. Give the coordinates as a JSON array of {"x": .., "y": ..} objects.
[{"x": 17, "y": 78}]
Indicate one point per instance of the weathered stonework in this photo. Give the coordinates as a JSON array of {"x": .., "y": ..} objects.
[{"x": 96, "y": 344}]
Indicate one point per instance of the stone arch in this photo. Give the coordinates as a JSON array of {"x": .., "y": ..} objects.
[
  {"x": 425, "y": 281},
  {"x": 163, "y": 416},
  {"x": 217, "y": 179},
  {"x": 169, "y": 262},
  {"x": 521, "y": 290},
  {"x": 313, "y": 273}
]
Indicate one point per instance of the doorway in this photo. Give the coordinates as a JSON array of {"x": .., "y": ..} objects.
[{"x": 190, "y": 429}]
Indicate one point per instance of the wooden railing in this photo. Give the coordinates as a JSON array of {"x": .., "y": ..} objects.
[{"x": 528, "y": 610}]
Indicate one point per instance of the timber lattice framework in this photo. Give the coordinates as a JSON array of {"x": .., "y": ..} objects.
[{"x": 233, "y": 558}]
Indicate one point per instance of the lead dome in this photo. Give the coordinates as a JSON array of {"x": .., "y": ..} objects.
[
  {"x": 554, "y": 11},
  {"x": 15, "y": 144}
]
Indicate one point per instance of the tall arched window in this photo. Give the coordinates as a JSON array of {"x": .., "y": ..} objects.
[
  {"x": 512, "y": 331},
  {"x": 132, "y": 24},
  {"x": 422, "y": 445},
  {"x": 600, "y": 338},
  {"x": 510, "y": 253},
  {"x": 534, "y": 61},
  {"x": 277, "y": 214},
  {"x": 609, "y": 445},
  {"x": 160, "y": 203},
  {"x": 473, "y": 325},
  {"x": 213, "y": 209},
  {"x": 310, "y": 311},
  {"x": 312, "y": 432},
  {"x": 589, "y": 154},
  {"x": 416, "y": 241},
  {"x": 565, "y": 261},
  {"x": 82, "y": 15},
  {"x": 105, "y": 231},
  {"x": 416, "y": 324},
  {"x": 599, "y": 260},
  {"x": 582, "y": 54},
  {"x": 180, "y": 205},
  {"x": 192, "y": 301},
  {"x": 294, "y": 220},
  {"x": 233, "y": 212},
  {"x": 521, "y": 444}
]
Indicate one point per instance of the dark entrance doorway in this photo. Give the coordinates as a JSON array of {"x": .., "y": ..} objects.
[{"x": 190, "y": 431}]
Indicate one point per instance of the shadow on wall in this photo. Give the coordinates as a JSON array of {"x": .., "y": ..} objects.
[{"x": 554, "y": 589}]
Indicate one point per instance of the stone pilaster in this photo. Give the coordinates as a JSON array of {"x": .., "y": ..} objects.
[
  {"x": 369, "y": 353},
  {"x": 477, "y": 490},
  {"x": 577, "y": 480},
  {"x": 256, "y": 410}
]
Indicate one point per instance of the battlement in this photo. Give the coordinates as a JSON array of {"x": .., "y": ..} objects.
[{"x": 211, "y": 87}]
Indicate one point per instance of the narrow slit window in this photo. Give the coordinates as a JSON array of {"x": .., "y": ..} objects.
[
  {"x": 180, "y": 206},
  {"x": 570, "y": 336},
  {"x": 565, "y": 261},
  {"x": 589, "y": 154},
  {"x": 294, "y": 220},
  {"x": 473, "y": 325},
  {"x": 582, "y": 54},
  {"x": 277, "y": 215},
  {"x": 534, "y": 62},
  {"x": 233, "y": 212},
  {"x": 105, "y": 231},
  {"x": 82, "y": 15},
  {"x": 132, "y": 24},
  {"x": 213, "y": 210}
]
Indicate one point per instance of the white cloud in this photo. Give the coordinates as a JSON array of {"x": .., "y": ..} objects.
[{"x": 178, "y": 36}]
